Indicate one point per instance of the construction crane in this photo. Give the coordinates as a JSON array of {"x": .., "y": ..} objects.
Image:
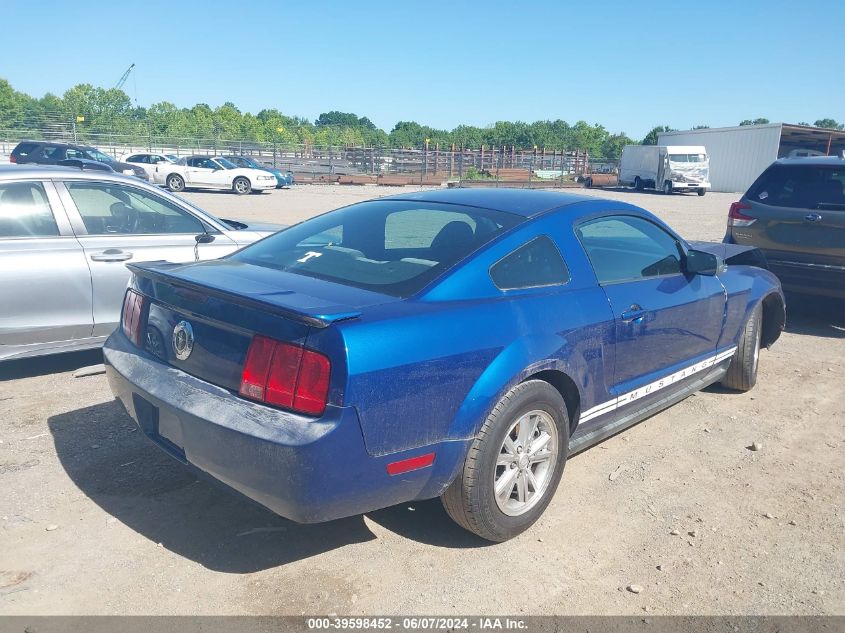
[{"x": 124, "y": 77}]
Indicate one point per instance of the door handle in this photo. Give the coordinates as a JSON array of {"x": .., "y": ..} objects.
[
  {"x": 635, "y": 314},
  {"x": 812, "y": 217},
  {"x": 111, "y": 255}
]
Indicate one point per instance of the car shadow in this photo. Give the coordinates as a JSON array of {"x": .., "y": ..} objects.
[
  {"x": 120, "y": 470},
  {"x": 815, "y": 316},
  {"x": 52, "y": 364}
]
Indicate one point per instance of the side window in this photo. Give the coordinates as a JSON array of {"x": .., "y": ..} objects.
[
  {"x": 50, "y": 152},
  {"x": 74, "y": 153},
  {"x": 25, "y": 211},
  {"x": 537, "y": 263},
  {"x": 628, "y": 248},
  {"x": 116, "y": 209}
]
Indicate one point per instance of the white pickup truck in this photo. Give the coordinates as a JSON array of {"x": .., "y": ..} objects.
[{"x": 211, "y": 172}]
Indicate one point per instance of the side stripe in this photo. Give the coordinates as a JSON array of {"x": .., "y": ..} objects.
[{"x": 657, "y": 385}]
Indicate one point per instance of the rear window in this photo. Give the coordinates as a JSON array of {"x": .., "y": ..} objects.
[
  {"x": 392, "y": 247},
  {"x": 801, "y": 186}
]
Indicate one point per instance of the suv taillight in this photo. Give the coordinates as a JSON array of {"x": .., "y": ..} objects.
[
  {"x": 13, "y": 159},
  {"x": 286, "y": 375},
  {"x": 736, "y": 217},
  {"x": 133, "y": 316}
]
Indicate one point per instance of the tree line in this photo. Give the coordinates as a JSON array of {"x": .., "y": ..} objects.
[{"x": 96, "y": 112}]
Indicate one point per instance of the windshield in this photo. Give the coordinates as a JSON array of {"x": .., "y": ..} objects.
[
  {"x": 394, "y": 247},
  {"x": 225, "y": 164},
  {"x": 95, "y": 154},
  {"x": 249, "y": 162},
  {"x": 687, "y": 158}
]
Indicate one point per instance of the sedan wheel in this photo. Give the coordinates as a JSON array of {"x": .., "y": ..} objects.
[
  {"x": 175, "y": 182},
  {"x": 241, "y": 186},
  {"x": 514, "y": 464},
  {"x": 526, "y": 462}
]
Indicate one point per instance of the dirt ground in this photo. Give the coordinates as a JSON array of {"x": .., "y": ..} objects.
[{"x": 96, "y": 520}]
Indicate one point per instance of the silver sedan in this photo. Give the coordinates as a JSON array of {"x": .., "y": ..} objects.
[{"x": 65, "y": 237}]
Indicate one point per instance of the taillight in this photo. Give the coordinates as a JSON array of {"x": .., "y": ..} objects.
[
  {"x": 286, "y": 375},
  {"x": 132, "y": 318},
  {"x": 13, "y": 159},
  {"x": 736, "y": 217}
]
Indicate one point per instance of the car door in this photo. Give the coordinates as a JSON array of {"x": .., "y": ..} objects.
[
  {"x": 666, "y": 320},
  {"x": 45, "y": 282},
  {"x": 199, "y": 172},
  {"x": 118, "y": 223}
]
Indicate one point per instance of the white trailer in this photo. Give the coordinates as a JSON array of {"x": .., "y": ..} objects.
[{"x": 669, "y": 168}]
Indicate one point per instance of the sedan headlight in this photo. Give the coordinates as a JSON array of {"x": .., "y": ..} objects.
[{"x": 266, "y": 178}]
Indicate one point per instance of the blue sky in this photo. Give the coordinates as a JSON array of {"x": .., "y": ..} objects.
[{"x": 627, "y": 65}]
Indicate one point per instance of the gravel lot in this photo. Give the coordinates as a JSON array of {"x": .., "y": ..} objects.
[{"x": 96, "y": 520}]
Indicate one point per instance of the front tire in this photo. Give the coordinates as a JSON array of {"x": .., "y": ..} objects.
[
  {"x": 638, "y": 184},
  {"x": 701, "y": 192},
  {"x": 667, "y": 188},
  {"x": 175, "y": 183},
  {"x": 514, "y": 465},
  {"x": 742, "y": 372},
  {"x": 241, "y": 186}
]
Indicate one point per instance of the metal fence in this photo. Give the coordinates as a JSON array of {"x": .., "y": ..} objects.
[{"x": 310, "y": 163}]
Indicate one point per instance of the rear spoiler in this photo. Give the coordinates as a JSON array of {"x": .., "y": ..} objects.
[
  {"x": 154, "y": 272},
  {"x": 734, "y": 254}
]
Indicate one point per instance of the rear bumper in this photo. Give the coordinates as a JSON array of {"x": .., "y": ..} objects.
[
  {"x": 303, "y": 469},
  {"x": 808, "y": 278}
]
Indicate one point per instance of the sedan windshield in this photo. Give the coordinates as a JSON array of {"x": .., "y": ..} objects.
[{"x": 395, "y": 247}]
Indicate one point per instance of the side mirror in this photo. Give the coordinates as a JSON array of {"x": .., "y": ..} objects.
[
  {"x": 701, "y": 263},
  {"x": 204, "y": 238}
]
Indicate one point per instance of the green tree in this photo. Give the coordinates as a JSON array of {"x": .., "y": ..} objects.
[
  {"x": 829, "y": 124},
  {"x": 651, "y": 137},
  {"x": 754, "y": 121}
]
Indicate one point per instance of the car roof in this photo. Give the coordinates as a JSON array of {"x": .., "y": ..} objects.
[
  {"x": 31, "y": 170},
  {"x": 524, "y": 202},
  {"x": 811, "y": 160}
]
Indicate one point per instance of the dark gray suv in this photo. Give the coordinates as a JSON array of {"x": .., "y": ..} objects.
[
  {"x": 795, "y": 214},
  {"x": 70, "y": 155}
]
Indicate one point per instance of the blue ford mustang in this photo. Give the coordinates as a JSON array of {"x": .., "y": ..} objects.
[{"x": 456, "y": 343}]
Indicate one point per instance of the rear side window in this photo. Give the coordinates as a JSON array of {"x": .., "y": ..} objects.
[
  {"x": 24, "y": 149},
  {"x": 801, "y": 186},
  {"x": 537, "y": 263},
  {"x": 25, "y": 211},
  {"x": 390, "y": 246}
]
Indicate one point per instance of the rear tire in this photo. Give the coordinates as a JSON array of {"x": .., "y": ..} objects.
[
  {"x": 667, "y": 188},
  {"x": 742, "y": 372},
  {"x": 588, "y": 183},
  {"x": 638, "y": 184},
  {"x": 701, "y": 192},
  {"x": 241, "y": 185},
  {"x": 175, "y": 183},
  {"x": 521, "y": 449}
]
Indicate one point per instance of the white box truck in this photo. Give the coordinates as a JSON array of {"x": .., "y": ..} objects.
[{"x": 666, "y": 167}]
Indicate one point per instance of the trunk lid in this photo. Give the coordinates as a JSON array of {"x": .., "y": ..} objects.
[{"x": 225, "y": 304}]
